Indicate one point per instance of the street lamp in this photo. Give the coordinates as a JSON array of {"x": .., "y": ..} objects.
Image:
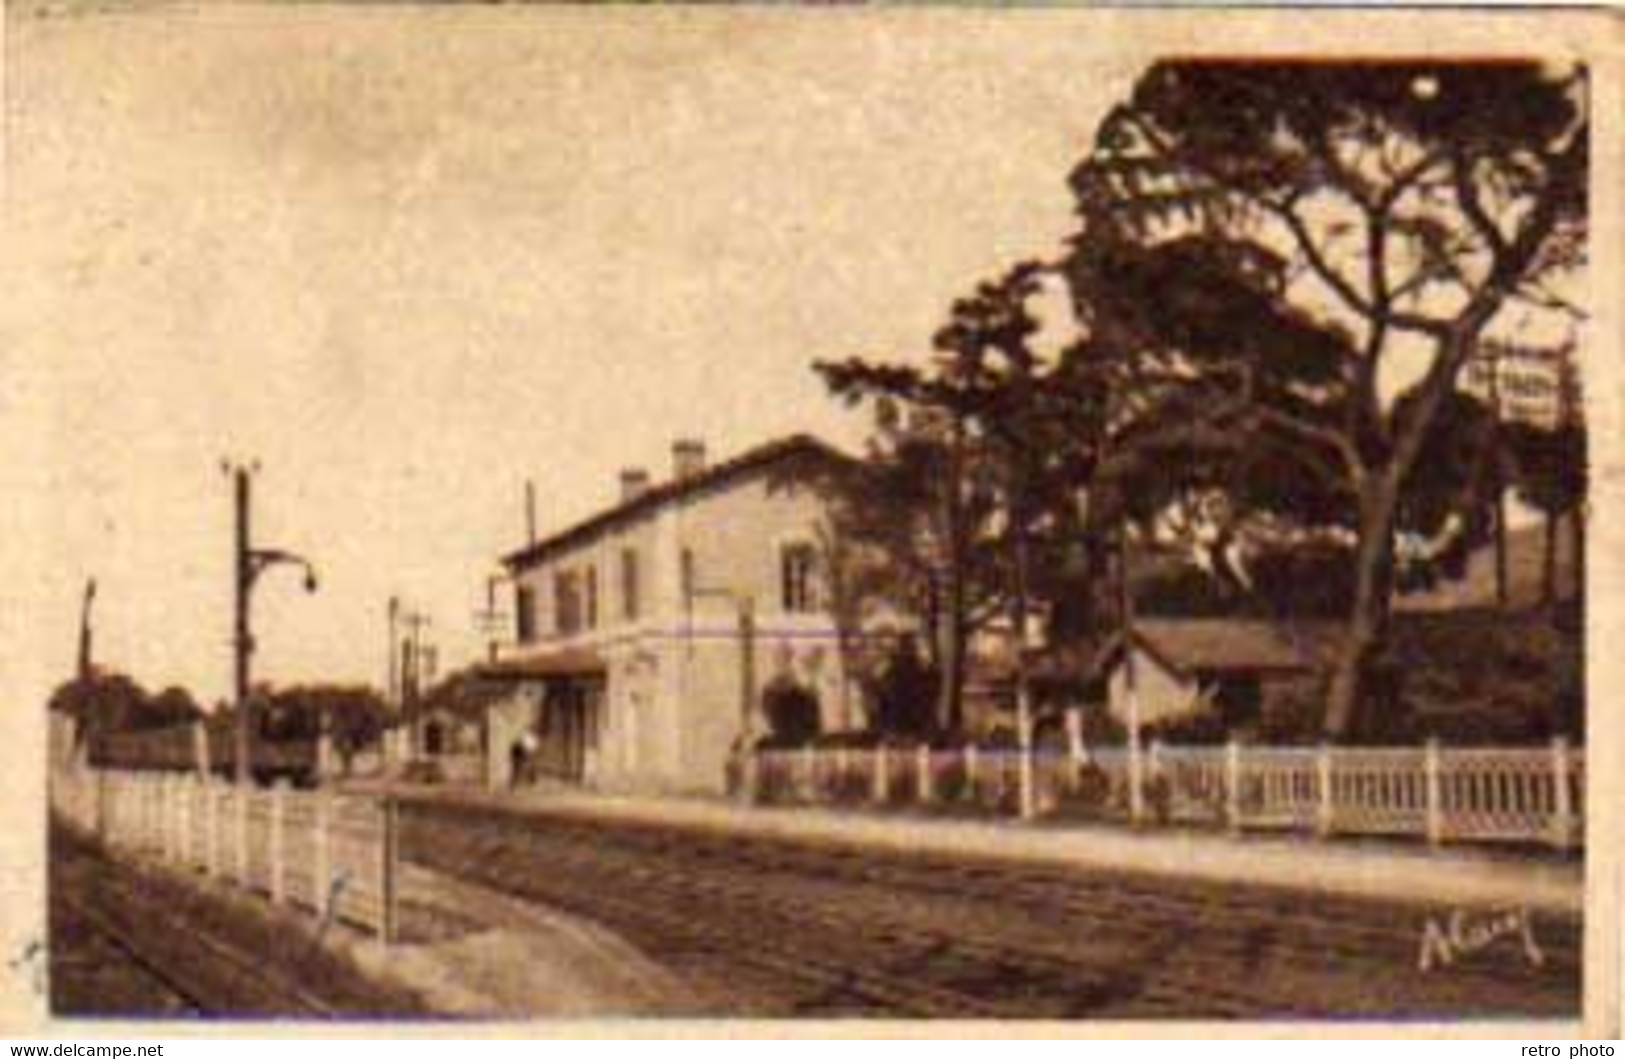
[{"x": 249, "y": 564}]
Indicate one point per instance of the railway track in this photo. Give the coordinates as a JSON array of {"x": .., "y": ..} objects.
[
  {"x": 204, "y": 976},
  {"x": 787, "y": 928},
  {"x": 129, "y": 939}
]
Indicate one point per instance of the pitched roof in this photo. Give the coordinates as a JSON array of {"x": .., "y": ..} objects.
[
  {"x": 726, "y": 472},
  {"x": 1195, "y": 645},
  {"x": 565, "y": 662}
]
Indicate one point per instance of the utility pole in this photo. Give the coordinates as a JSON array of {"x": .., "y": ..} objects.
[
  {"x": 952, "y": 691},
  {"x": 1024, "y": 691},
  {"x": 86, "y": 655},
  {"x": 249, "y": 562},
  {"x": 242, "y": 643},
  {"x": 392, "y": 685},
  {"x": 409, "y": 624}
]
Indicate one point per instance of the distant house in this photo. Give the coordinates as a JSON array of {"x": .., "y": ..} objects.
[
  {"x": 1223, "y": 667},
  {"x": 647, "y": 634}
]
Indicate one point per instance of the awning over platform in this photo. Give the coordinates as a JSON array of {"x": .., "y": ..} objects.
[{"x": 566, "y": 662}]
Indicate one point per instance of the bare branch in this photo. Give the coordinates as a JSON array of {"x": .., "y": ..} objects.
[
  {"x": 1316, "y": 434},
  {"x": 1287, "y": 213},
  {"x": 1473, "y": 206}
]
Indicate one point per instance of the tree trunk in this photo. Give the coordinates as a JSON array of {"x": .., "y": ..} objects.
[
  {"x": 1502, "y": 587},
  {"x": 952, "y": 693},
  {"x": 1577, "y": 550},
  {"x": 1548, "y": 561},
  {"x": 951, "y": 707},
  {"x": 1018, "y": 618},
  {"x": 1368, "y": 614}
]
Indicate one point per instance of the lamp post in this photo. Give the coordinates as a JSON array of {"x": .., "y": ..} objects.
[{"x": 249, "y": 562}]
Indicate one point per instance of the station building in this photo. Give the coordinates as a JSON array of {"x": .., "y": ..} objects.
[{"x": 647, "y": 634}]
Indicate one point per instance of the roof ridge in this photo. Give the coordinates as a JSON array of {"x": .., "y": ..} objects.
[{"x": 660, "y": 493}]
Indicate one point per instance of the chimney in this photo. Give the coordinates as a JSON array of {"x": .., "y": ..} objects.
[
  {"x": 634, "y": 483},
  {"x": 687, "y": 458}
]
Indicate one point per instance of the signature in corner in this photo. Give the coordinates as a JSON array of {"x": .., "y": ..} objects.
[{"x": 1463, "y": 933}]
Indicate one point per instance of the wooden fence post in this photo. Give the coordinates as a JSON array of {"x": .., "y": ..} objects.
[
  {"x": 140, "y": 813},
  {"x": 809, "y": 780},
  {"x": 141, "y": 797},
  {"x": 277, "y": 844},
  {"x": 386, "y": 872},
  {"x": 163, "y": 805},
  {"x": 1325, "y": 804},
  {"x": 240, "y": 796},
  {"x": 970, "y": 772},
  {"x": 750, "y": 765},
  {"x": 183, "y": 820},
  {"x": 881, "y": 786},
  {"x": 211, "y": 826},
  {"x": 132, "y": 799},
  {"x": 923, "y": 787},
  {"x": 1232, "y": 783},
  {"x": 101, "y": 804},
  {"x": 1562, "y": 826},
  {"x": 163, "y": 811},
  {"x": 322, "y": 840},
  {"x": 154, "y": 816},
  {"x": 1433, "y": 781},
  {"x": 160, "y": 815},
  {"x": 177, "y": 809}
]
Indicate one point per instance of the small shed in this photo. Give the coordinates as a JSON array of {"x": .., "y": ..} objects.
[{"x": 1225, "y": 667}]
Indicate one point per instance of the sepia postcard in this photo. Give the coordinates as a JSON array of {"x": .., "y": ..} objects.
[{"x": 537, "y": 520}]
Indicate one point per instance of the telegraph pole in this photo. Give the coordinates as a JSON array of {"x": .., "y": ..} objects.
[
  {"x": 248, "y": 563},
  {"x": 407, "y": 626},
  {"x": 87, "y": 662},
  {"x": 242, "y": 641}
]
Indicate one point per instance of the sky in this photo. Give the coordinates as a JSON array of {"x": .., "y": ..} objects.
[{"x": 409, "y": 259}]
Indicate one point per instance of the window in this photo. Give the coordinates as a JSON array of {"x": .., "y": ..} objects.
[
  {"x": 629, "y": 584},
  {"x": 796, "y": 566},
  {"x": 525, "y": 614},
  {"x": 566, "y": 602},
  {"x": 592, "y": 597}
]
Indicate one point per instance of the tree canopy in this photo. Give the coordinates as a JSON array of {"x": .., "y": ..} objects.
[
  {"x": 1278, "y": 238},
  {"x": 1280, "y": 271}
]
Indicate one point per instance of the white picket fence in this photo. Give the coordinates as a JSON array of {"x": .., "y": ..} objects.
[
  {"x": 333, "y": 856},
  {"x": 1521, "y": 794}
]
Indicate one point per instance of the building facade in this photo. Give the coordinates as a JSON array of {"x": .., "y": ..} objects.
[{"x": 648, "y": 635}]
